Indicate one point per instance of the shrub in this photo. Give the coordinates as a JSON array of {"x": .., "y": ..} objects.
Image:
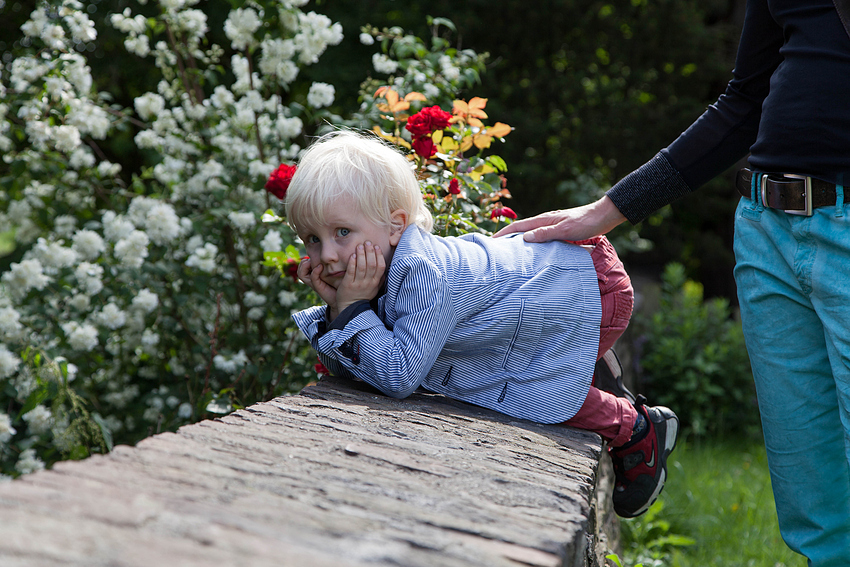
[
  {"x": 139, "y": 301},
  {"x": 692, "y": 359}
]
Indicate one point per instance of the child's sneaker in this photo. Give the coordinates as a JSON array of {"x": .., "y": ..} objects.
[
  {"x": 640, "y": 466},
  {"x": 608, "y": 376}
]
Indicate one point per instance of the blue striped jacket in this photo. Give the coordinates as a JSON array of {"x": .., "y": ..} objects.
[{"x": 496, "y": 322}]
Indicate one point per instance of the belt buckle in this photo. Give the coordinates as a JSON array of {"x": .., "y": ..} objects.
[{"x": 807, "y": 197}]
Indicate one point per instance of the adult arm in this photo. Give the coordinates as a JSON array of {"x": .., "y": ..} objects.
[{"x": 712, "y": 144}]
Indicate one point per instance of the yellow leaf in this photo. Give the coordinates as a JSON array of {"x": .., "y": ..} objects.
[
  {"x": 397, "y": 140},
  {"x": 476, "y": 173},
  {"x": 499, "y": 130},
  {"x": 437, "y": 136},
  {"x": 448, "y": 144},
  {"x": 482, "y": 141},
  {"x": 466, "y": 143}
]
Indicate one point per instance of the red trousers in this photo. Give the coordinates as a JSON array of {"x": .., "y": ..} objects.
[{"x": 611, "y": 417}]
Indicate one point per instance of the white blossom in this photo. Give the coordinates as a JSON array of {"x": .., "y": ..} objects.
[
  {"x": 145, "y": 300},
  {"x": 89, "y": 277},
  {"x": 204, "y": 258},
  {"x": 53, "y": 255},
  {"x": 39, "y": 420},
  {"x": 9, "y": 362},
  {"x": 24, "y": 276},
  {"x": 133, "y": 250},
  {"x": 112, "y": 317},
  {"x": 10, "y": 326},
  {"x": 272, "y": 242},
  {"x": 320, "y": 94},
  {"x": 80, "y": 337},
  {"x": 65, "y": 225},
  {"x": 6, "y": 429},
  {"x": 240, "y": 27},
  {"x": 184, "y": 411},
  {"x": 116, "y": 227},
  {"x": 162, "y": 223},
  {"x": 242, "y": 221},
  {"x": 28, "y": 462},
  {"x": 287, "y": 298},
  {"x": 67, "y": 138},
  {"x": 384, "y": 64},
  {"x": 88, "y": 244},
  {"x": 149, "y": 105},
  {"x": 367, "y": 39}
]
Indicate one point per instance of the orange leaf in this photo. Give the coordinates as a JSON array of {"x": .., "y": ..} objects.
[
  {"x": 460, "y": 107},
  {"x": 466, "y": 143},
  {"x": 414, "y": 96},
  {"x": 380, "y": 91},
  {"x": 482, "y": 141},
  {"x": 476, "y": 123},
  {"x": 476, "y": 107},
  {"x": 499, "y": 130},
  {"x": 391, "y": 96}
]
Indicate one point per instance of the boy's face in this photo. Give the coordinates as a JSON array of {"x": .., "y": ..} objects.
[{"x": 333, "y": 242}]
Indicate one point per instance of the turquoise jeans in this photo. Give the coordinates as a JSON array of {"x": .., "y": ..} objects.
[{"x": 793, "y": 276}]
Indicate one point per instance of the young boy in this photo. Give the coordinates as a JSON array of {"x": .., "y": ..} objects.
[{"x": 496, "y": 322}]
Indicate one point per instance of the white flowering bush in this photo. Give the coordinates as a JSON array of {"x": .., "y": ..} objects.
[{"x": 137, "y": 301}]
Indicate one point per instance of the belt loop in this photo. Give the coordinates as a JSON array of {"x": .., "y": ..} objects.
[
  {"x": 839, "y": 196},
  {"x": 755, "y": 191}
]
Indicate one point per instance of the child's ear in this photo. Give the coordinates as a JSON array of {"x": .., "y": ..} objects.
[{"x": 398, "y": 222}]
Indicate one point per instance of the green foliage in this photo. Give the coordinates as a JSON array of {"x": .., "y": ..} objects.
[
  {"x": 718, "y": 494},
  {"x": 692, "y": 359},
  {"x": 143, "y": 296},
  {"x": 651, "y": 539}
]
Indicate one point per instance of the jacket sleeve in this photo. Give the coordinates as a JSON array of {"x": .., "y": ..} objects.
[
  {"x": 720, "y": 137},
  {"x": 395, "y": 360}
]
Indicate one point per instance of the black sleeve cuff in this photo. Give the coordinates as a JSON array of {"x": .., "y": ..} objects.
[
  {"x": 648, "y": 188},
  {"x": 348, "y": 314}
]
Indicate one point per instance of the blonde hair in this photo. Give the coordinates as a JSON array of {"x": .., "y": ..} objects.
[{"x": 361, "y": 167}]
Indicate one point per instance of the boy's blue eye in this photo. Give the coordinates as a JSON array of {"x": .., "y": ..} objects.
[
  {"x": 342, "y": 232},
  {"x": 311, "y": 239}
]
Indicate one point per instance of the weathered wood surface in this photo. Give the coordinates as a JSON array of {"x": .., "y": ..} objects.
[{"x": 335, "y": 476}]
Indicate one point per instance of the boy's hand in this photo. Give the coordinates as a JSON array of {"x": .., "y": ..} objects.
[
  {"x": 363, "y": 279},
  {"x": 312, "y": 277}
]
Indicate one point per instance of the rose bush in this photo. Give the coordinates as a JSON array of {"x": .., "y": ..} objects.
[{"x": 138, "y": 300}]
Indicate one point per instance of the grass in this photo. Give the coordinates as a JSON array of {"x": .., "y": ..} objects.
[{"x": 718, "y": 496}]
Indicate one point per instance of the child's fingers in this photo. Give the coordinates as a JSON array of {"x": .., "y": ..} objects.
[{"x": 303, "y": 272}]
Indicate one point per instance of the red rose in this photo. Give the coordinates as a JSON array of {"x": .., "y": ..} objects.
[
  {"x": 427, "y": 121},
  {"x": 292, "y": 268},
  {"x": 279, "y": 180},
  {"x": 506, "y": 212},
  {"x": 424, "y": 146},
  {"x": 454, "y": 188}
]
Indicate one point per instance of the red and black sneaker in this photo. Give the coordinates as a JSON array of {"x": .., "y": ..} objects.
[{"x": 640, "y": 466}]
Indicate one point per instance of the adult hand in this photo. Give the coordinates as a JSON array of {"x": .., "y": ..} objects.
[{"x": 579, "y": 223}]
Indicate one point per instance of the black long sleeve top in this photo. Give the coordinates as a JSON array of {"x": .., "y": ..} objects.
[{"x": 788, "y": 105}]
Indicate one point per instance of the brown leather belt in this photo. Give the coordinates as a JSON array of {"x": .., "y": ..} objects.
[{"x": 794, "y": 194}]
